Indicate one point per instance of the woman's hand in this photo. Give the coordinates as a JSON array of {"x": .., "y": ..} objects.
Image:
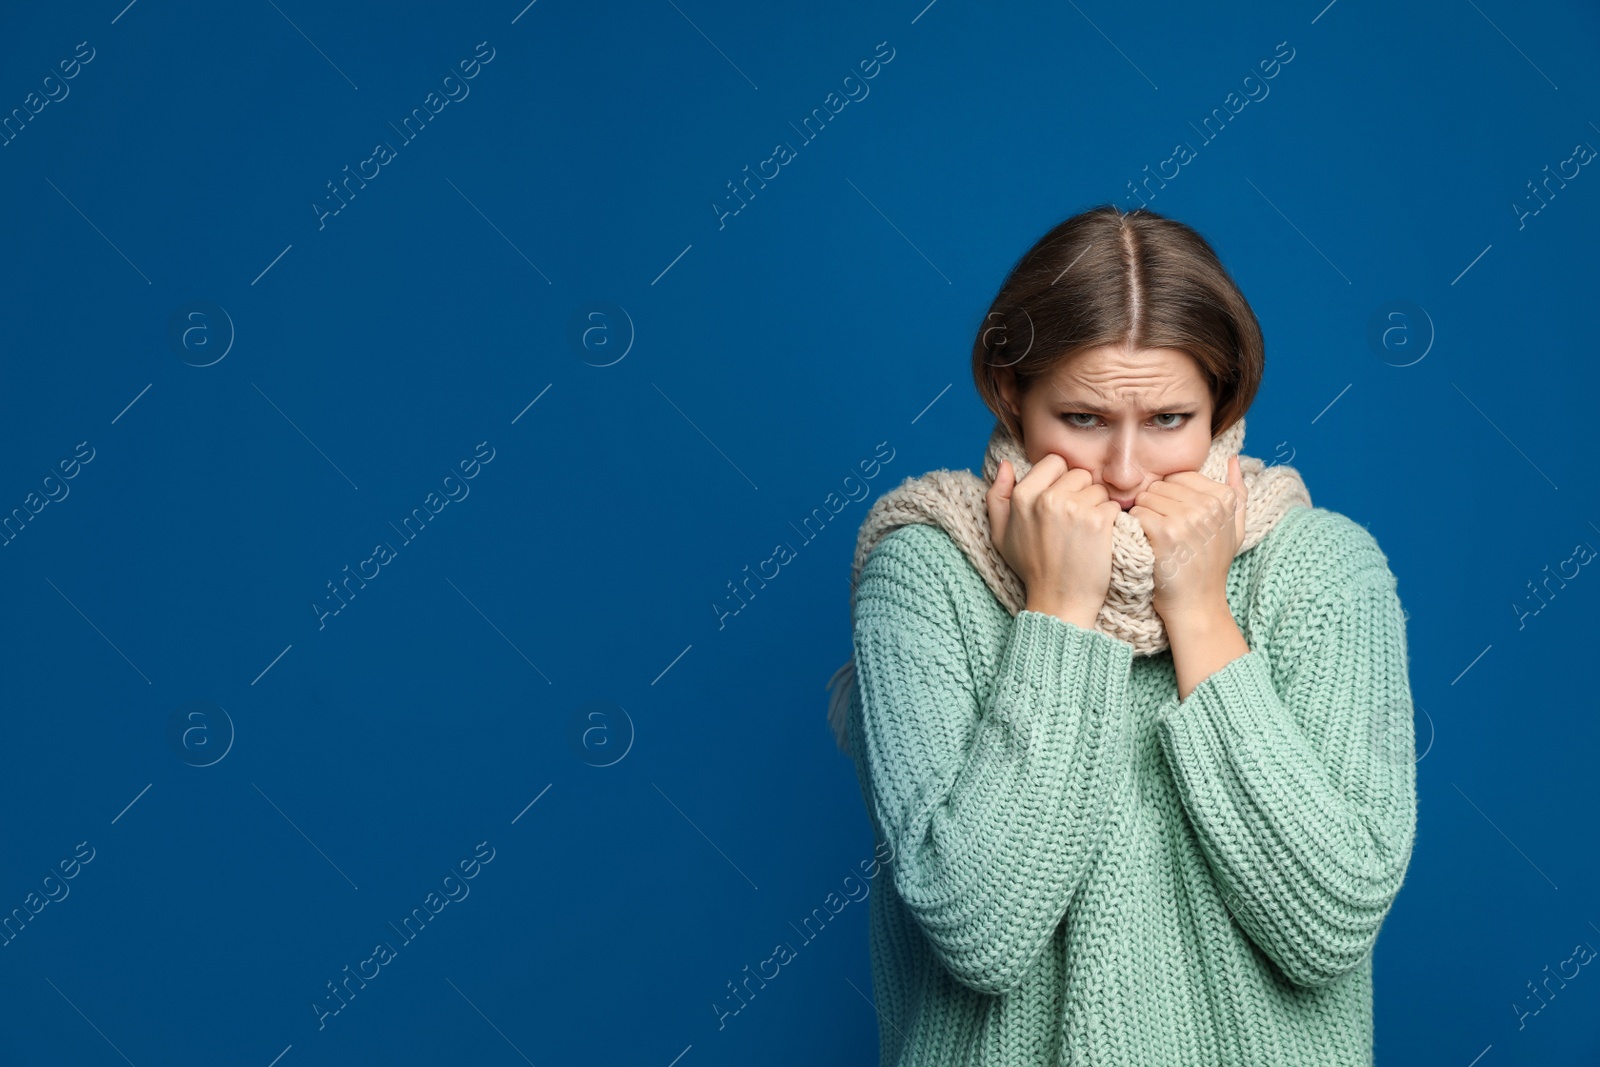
[
  {"x": 1054, "y": 529},
  {"x": 1195, "y": 526}
]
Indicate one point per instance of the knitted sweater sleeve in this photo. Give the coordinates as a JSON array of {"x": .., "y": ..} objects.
[
  {"x": 1295, "y": 764},
  {"x": 994, "y": 802}
]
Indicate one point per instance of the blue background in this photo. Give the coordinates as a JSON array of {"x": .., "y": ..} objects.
[{"x": 556, "y": 669}]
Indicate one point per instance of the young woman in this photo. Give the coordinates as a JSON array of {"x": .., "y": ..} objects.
[{"x": 1131, "y": 717}]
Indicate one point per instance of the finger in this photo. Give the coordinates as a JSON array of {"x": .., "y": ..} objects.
[
  {"x": 1005, "y": 483},
  {"x": 1155, "y": 505},
  {"x": 1236, "y": 479},
  {"x": 1182, "y": 503},
  {"x": 1050, "y": 467},
  {"x": 1194, "y": 488},
  {"x": 999, "y": 498},
  {"x": 1096, "y": 489},
  {"x": 1167, "y": 490}
]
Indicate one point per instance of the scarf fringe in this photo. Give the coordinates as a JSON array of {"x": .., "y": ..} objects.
[{"x": 840, "y": 687}]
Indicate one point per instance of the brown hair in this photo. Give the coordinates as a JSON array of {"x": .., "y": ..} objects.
[{"x": 1103, "y": 277}]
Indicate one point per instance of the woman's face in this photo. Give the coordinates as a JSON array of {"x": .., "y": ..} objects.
[{"x": 1128, "y": 418}]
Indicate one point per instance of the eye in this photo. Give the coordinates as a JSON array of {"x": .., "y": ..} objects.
[{"x": 1182, "y": 416}]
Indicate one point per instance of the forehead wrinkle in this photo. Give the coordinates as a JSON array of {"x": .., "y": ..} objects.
[
  {"x": 1161, "y": 403},
  {"x": 1137, "y": 384},
  {"x": 1131, "y": 383}
]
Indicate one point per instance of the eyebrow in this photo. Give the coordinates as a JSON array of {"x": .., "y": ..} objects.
[{"x": 1093, "y": 408}]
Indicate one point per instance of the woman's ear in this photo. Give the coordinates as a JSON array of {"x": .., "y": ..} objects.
[{"x": 1005, "y": 381}]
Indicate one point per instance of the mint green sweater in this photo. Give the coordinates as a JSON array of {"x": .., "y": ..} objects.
[{"x": 1086, "y": 870}]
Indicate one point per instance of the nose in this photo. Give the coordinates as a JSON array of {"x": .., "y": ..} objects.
[{"x": 1121, "y": 476}]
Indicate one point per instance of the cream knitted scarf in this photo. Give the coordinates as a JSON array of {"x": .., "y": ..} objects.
[{"x": 957, "y": 502}]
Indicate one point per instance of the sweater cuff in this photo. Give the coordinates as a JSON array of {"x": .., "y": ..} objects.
[
  {"x": 1231, "y": 703},
  {"x": 1065, "y": 658}
]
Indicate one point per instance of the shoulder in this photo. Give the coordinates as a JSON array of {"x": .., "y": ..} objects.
[
  {"x": 917, "y": 551},
  {"x": 1313, "y": 553},
  {"x": 918, "y": 566},
  {"x": 918, "y": 539}
]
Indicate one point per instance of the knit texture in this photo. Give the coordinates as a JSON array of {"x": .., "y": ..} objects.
[
  {"x": 956, "y": 501},
  {"x": 1088, "y": 871}
]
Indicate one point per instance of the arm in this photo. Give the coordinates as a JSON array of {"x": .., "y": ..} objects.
[
  {"x": 994, "y": 806},
  {"x": 1203, "y": 644},
  {"x": 1297, "y": 770}
]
